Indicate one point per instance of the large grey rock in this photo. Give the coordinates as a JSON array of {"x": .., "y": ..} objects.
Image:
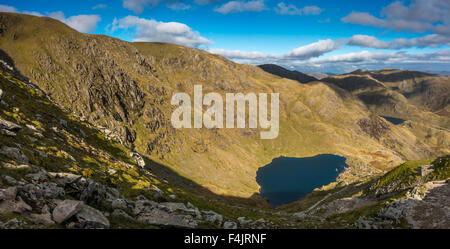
[
  {"x": 22, "y": 207},
  {"x": 161, "y": 218},
  {"x": 8, "y": 194},
  {"x": 119, "y": 204},
  {"x": 66, "y": 178},
  {"x": 229, "y": 225},
  {"x": 7, "y": 133},
  {"x": 16, "y": 167},
  {"x": 38, "y": 177},
  {"x": 9, "y": 180},
  {"x": 156, "y": 192},
  {"x": 40, "y": 193},
  {"x": 144, "y": 206},
  {"x": 94, "y": 194},
  {"x": 13, "y": 206},
  {"x": 44, "y": 218},
  {"x": 138, "y": 158},
  {"x": 118, "y": 213},
  {"x": 90, "y": 217},
  {"x": 173, "y": 206},
  {"x": 243, "y": 220},
  {"x": 213, "y": 217},
  {"x": 66, "y": 209},
  {"x": 10, "y": 126},
  {"x": 14, "y": 154}
]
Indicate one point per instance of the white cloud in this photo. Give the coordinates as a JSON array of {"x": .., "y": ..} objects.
[
  {"x": 33, "y": 13},
  {"x": 433, "y": 40},
  {"x": 315, "y": 49},
  {"x": 419, "y": 16},
  {"x": 376, "y": 60},
  {"x": 368, "y": 42},
  {"x": 206, "y": 2},
  {"x": 138, "y": 5},
  {"x": 6, "y": 8},
  {"x": 178, "y": 6},
  {"x": 155, "y": 31},
  {"x": 82, "y": 23},
  {"x": 303, "y": 53},
  {"x": 291, "y": 9},
  {"x": 241, "y": 6},
  {"x": 237, "y": 54}
]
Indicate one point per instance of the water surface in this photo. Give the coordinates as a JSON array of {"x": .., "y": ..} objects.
[
  {"x": 288, "y": 179},
  {"x": 395, "y": 121}
]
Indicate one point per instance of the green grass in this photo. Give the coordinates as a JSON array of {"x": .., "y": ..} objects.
[{"x": 405, "y": 174}]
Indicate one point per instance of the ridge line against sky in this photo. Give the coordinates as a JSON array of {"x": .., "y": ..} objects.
[{"x": 317, "y": 36}]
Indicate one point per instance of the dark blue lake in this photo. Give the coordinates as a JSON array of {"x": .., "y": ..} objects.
[
  {"x": 288, "y": 179},
  {"x": 395, "y": 121}
]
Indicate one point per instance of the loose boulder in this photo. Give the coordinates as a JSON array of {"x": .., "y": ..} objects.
[
  {"x": 91, "y": 218},
  {"x": 229, "y": 225},
  {"x": 66, "y": 209},
  {"x": 15, "y": 154},
  {"x": 10, "y": 126}
]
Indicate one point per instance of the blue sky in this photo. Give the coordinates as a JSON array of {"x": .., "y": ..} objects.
[{"x": 320, "y": 36}]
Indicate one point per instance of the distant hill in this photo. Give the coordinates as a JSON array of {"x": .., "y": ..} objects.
[
  {"x": 288, "y": 74},
  {"x": 440, "y": 73},
  {"x": 398, "y": 93}
]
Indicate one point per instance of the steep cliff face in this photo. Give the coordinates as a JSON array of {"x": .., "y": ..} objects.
[{"x": 127, "y": 87}]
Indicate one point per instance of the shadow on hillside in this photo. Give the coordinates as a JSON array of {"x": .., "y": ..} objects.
[
  {"x": 163, "y": 172},
  {"x": 288, "y": 74}
]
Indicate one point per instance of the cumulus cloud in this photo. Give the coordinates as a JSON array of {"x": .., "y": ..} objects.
[
  {"x": 138, "y": 6},
  {"x": 433, "y": 40},
  {"x": 377, "y": 60},
  {"x": 11, "y": 9},
  {"x": 302, "y": 53},
  {"x": 419, "y": 16},
  {"x": 283, "y": 9},
  {"x": 237, "y": 54},
  {"x": 155, "y": 31},
  {"x": 241, "y": 6},
  {"x": 315, "y": 49},
  {"x": 6, "y": 8},
  {"x": 178, "y": 6},
  {"x": 82, "y": 23}
]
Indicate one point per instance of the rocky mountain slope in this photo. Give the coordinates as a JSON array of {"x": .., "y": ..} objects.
[{"x": 124, "y": 89}]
